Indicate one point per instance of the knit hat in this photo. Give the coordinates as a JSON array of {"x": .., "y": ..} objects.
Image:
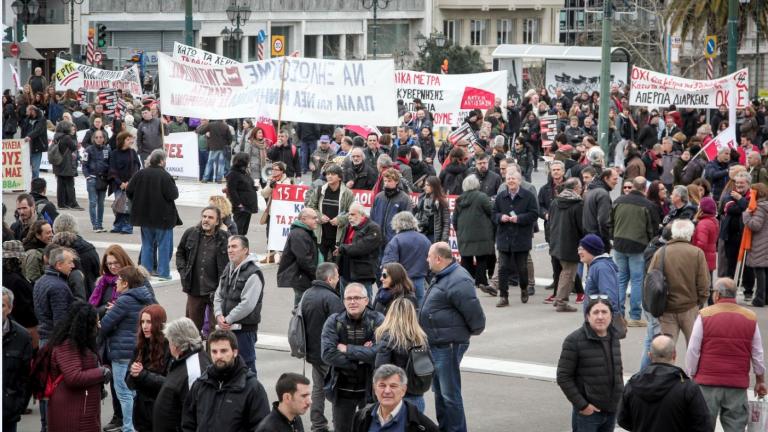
[
  {"x": 708, "y": 206},
  {"x": 13, "y": 249},
  {"x": 592, "y": 244},
  {"x": 325, "y": 138}
]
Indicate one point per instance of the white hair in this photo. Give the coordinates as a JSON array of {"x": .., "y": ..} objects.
[
  {"x": 359, "y": 207},
  {"x": 682, "y": 229},
  {"x": 470, "y": 183}
]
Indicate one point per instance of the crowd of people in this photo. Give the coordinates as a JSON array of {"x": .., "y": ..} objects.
[{"x": 378, "y": 287}]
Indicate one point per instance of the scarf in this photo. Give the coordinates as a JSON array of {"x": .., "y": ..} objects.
[{"x": 569, "y": 194}]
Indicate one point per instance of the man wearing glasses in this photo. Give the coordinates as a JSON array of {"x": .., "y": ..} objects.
[{"x": 347, "y": 344}]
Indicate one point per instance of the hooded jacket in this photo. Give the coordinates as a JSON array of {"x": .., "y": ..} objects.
[
  {"x": 68, "y": 149},
  {"x": 473, "y": 224},
  {"x": 663, "y": 397},
  {"x": 602, "y": 277},
  {"x": 385, "y": 207},
  {"x": 118, "y": 327},
  {"x": 566, "y": 227},
  {"x": 452, "y": 176},
  {"x": 300, "y": 258},
  {"x": 597, "y": 211}
]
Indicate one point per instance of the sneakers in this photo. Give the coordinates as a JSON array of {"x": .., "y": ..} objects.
[
  {"x": 580, "y": 298},
  {"x": 503, "y": 302},
  {"x": 551, "y": 299},
  {"x": 747, "y": 298},
  {"x": 636, "y": 323},
  {"x": 531, "y": 290},
  {"x": 565, "y": 307},
  {"x": 114, "y": 425},
  {"x": 99, "y": 230},
  {"x": 77, "y": 207},
  {"x": 491, "y": 291}
]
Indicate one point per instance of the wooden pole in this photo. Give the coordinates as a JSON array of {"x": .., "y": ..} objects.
[{"x": 282, "y": 86}]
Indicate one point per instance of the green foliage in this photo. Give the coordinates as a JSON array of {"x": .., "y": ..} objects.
[
  {"x": 461, "y": 60},
  {"x": 691, "y": 16}
]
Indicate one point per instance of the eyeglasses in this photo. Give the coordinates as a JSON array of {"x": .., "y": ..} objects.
[
  {"x": 113, "y": 264},
  {"x": 627, "y": 187},
  {"x": 355, "y": 299},
  {"x": 598, "y": 297}
]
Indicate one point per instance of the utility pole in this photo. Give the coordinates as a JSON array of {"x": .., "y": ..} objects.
[
  {"x": 733, "y": 34},
  {"x": 189, "y": 35},
  {"x": 605, "y": 76}
]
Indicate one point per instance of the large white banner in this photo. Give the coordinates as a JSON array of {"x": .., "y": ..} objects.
[
  {"x": 576, "y": 76},
  {"x": 181, "y": 149},
  {"x": 653, "y": 89},
  {"x": 450, "y": 97},
  {"x": 195, "y": 55},
  {"x": 75, "y": 76},
  {"x": 313, "y": 90}
]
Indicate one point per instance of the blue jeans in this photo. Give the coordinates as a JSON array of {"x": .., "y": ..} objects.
[
  {"x": 631, "y": 268},
  {"x": 202, "y": 161},
  {"x": 597, "y": 422},
  {"x": 653, "y": 329},
  {"x": 246, "y": 347},
  {"x": 215, "y": 157},
  {"x": 124, "y": 394},
  {"x": 417, "y": 401},
  {"x": 446, "y": 383},
  {"x": 95, "y": 203},
  {"x": 164, "y": 240},
  {"x": 34, "y": 161},
  {"x": 418, "y": 286},
  {"x": 305, "y": 151}
]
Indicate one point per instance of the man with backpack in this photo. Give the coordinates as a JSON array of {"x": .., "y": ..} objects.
[
  {"x": 45, "y": 209},
  {"x": 319, "y": 302},
  {"x": 348, "y": 348}
]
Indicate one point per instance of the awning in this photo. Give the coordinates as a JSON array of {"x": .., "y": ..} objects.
[
  {"x": 555, "y": 52},
  {"x": 27, "y": 51}
]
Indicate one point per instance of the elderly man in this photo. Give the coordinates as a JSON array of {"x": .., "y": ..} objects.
[
  {"x": 358, "y": 252},
  {"x": 409, "y": 247},
  {"x": 756, "y": 169},
  {"x": 732, "y": 208},
  {"x": 51, "y": 295},
  {"x": 38, "y": 82},
  {"x": 687, "y": 277},
  {"x": 716, "y": 171},
  {"x": 681, "y": 208},
  {"x": 153, "y": 195},
  {"x": 347, "y": 344},
  {"x": 320, "y": 157},
  {"x": 301, "y": 256},
  {"x": 391, "y": 412},
  {"x": 450, "y": 315},
  {"x": 724, "y": 341},
  {"x": 359, "y": 174},
  {"x": 662, "y": 397}
]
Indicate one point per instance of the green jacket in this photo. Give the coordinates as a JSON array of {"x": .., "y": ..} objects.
[
  {"x": 634, "y": 222},
  {"x": 473, "y": 224},
  {"x": 314, "y": 200}
]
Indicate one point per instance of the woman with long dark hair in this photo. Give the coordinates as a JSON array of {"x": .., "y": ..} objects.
[
  {"x": 257, "y": 149},
  {"x": 455, "y": 171},
  {"x": 75, "y": 404},
  {"x": 657, "y": 195},
  {"x": 149, "y": 365},
  {"x": 242, "y": 192},
  {"x": 395, "y": 283},
  {"x": 432, "y": 211},
  {"x": 123, "y": 164}
]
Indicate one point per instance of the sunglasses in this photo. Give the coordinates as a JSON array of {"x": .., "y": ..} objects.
[
  {"x": 598, "y": 297},
  {"x": 384, "y": 275},
  {"x": 627, "y": 187}
]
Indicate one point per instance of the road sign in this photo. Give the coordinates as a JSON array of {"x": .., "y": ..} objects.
[
  {"x": 14, "y": 49},
  {"x": 710, "y": 46},
  {"x": 278, "y": 45},
  {"x": 98, "y": 56},
  {"x": 676, "y": 42}
]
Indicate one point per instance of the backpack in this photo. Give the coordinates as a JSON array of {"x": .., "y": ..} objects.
[
  {"x": 54, "y": 154},
  {"x": 655, "y": 288},
  {"x": 419, "y": 370},
  {"x": 297, "y": 333},
  {"x": 41, "y": 383},
  {"x": 41, "y": 215}
]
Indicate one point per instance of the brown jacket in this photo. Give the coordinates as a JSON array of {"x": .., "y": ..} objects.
[
  {"x": 634, "y": 168},
  {"x": 685, "y": 268}
]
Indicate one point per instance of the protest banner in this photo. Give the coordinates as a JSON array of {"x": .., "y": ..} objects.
[
  {"x": 548, "y": 127},
  {"x": 465, "y": 132},
  {"x": 314, "y": 90},
  {"x": 450, "y": 97},
  {"x": 74, "y": 76},
  {"x": 195, "y": 55},
  {"x": 113, "y": 105},
  {"x": 181, "y": 149},
  {"x": 653, "y": 89},
  {"x": 724, "y": 139},
  {"x": 17, "y": 173},
  {"x": 288, "y": 201}
]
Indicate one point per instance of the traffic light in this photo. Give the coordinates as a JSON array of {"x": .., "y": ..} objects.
[{"x": 101, "y": 36}]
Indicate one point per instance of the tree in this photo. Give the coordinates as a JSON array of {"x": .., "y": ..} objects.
[{"x": 461, "y": 60}]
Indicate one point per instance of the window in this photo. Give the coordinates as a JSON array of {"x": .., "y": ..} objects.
[
  {"x": 503, "y": 31},
  {"x": 478, "y": 32},
  {"x": 531, "y": 30},
  {"x": 331, "y": 46},
  {"x": 208, "y": 43},
  {"x": 390, "y": 37},
  {"x": 450, "y": 30}
]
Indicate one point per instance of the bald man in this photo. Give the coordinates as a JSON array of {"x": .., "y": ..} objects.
[{"x": 299, "y": 261}]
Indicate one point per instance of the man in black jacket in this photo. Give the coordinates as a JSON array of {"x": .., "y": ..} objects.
[
  {"x": 489, "y": 180},
  {"x": 17, "y": 355},
  {"x": 301, "y": 256},
  {"x": 359, "y": 174},
  {"x": 359, "y": 249},
  {"x": 662, "y": 396},
  {"x": 200, "y": 259},
  {"x": 565, "y": 233},
  {"x": 227, "y": 397},
  {"x": 319, "y": 302},
  {"x": 43, "y": 206},
  {"x": 35, "y": 132},
  {"x": 293, "y": 401},
  {"x": 547, "y": 193},
  {"x": 284, "y": 151}
]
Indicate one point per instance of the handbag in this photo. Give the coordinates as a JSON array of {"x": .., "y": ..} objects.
[
  {"x": 120, "y": 205},
  {"x": 758, "y": 416},
  {"x": 101, "y": 183},
  {"x": 419, "y": 370}
]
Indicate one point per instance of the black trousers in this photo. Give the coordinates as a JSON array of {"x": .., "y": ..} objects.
[
  {"x": 242, "y": 220},
  {"x": 327, "y": 246},
  {"x": 65, "y": 192},
  {"x": 508, "y": 261},
  {"x": 479, "y": 267},
  {"x": 343, "y": 411}
]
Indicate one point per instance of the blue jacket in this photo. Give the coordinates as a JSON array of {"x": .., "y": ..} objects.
[
  {"x": 384, "y": 209},
  {"x": 120, "y": 324},
  {"x": 96, "y": 162},
  {"x": 52, "y": 298},
  {"x": 409, "y": 248},
  {"x": 603, "y": 278},
  {"x": 451, "y": 312}
]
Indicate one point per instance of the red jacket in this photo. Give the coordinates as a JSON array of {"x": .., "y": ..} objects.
[
  {"x": 705, "y": 238},
  {"x": 75, "y": 405},
  {"x": 726, "y": 345}
]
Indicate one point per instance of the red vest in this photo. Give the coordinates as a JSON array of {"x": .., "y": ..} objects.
[{"x": 726, "y": 346}]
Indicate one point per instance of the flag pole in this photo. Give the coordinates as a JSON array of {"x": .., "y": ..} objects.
[{"x": 282, "y": 86}]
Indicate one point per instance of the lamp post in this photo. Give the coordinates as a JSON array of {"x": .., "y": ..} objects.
[
  {"x": 71, "y": 4},
  {"x": 26, "y": 9},
  {"x": 435, "y": 38},
  {"x": 605, "y": 76},
  {"x": 375, "y": 5},
  {"x": 237, "y": 15}
]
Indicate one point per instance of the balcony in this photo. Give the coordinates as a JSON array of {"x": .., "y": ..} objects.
[{"x": 207, "y": 6}]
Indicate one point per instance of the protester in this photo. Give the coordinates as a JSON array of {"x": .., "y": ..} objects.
[
  {"x": 124, "y": 163},
  {"x": 597, "y": 206},
  {"x": 219, "y": 138},
  {"x": 52, "y": 296},
  {"x": 33, "y": 131},
  {"x": 222, "y": 203},
  {"x": 301, "y": 256},
  {"x": 475, "y": 231},
  {"x": 21, "y": 288},
  {"x": 26, "y": 215},
  {"x": 359, "y": 174},
  {"x": 409, "y": 248},
  {"x": 716, "y": 171},
  {"x": 566, "y": 229},
  {"x": 600, "y": 272},
  {"x": 706, "y": 233},
  {"x": 358, "y": 252},
  {"x": 96, "y": 170},
  {"x": 390, "y": 201},
  {"x": 287, "y": 153},
  {"x": 39, "y": 236},
  {"x": 452, "y": 175},
  {"x": 86, "y": 252},
  {"x": 331, "y": 201},
  {"x": 43, "y": 206},
  {"x": 242, "y": 192},
  {"x": 17, "y": 357},
  {"x": 680, "y": 208},
  {"x": 432, "y": 211},
  {"x": 293, "y": 401},
  {"x": 278, "y": 177},
  {"x": 66, "y": 168},
  {"x": 149, "y": 134}
]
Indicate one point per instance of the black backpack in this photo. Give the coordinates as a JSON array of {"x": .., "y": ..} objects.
[
  {"x": 655, "y": 288},
  {"x": 419, "y": 370}
]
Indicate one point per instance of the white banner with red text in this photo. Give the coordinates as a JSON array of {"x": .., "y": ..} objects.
[
  {"x": 450, "y": 98},
  {"x": 196, "y": 55},
  {"x": 311, "y": 90},
  {"x": 74, "y": 76},
  {"x": 288, "y": 201},
  {"x": 653, "y": 89}
]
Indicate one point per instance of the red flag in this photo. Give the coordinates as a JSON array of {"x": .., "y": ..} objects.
[
  {"x": 475, "y": 98},
  {"x": 726, "y": 138},
  {"x": 268, "y": 127},
  {"x": 363, "y": 131}
]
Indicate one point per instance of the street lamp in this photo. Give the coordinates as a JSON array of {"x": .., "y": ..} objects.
[
  {"x": 237, "y": 15},
  {"x": 71, "y": 4},
  {"x": 437, "y": 38},
  {"x": 375, "y": 5},
  {"x": 27, "y": 9}
]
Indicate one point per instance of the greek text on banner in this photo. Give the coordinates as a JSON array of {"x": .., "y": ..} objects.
[
  {"x": 17, "y": 173},
  {"x": 74, "y": 76},
  {"x": 653, "y": 89},
  {"x": 314, "y": 90}
]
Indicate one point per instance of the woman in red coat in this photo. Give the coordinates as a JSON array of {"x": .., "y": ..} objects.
[
  {"x": 75, "y": 405},
  {"x": 707, "y": 231}
]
